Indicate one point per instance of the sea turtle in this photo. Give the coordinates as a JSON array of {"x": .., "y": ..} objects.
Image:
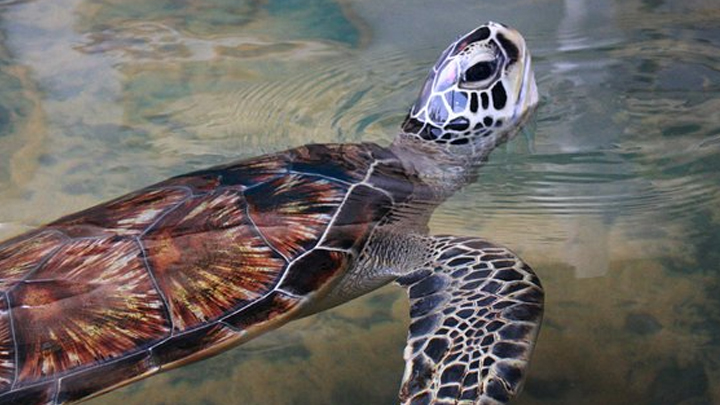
[{"x": 186, "y": 268}]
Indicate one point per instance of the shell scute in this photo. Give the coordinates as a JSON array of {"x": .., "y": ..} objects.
[
  {"x": 394, "y": 179},
  {"x": 190, "y": 344},
  {"x": 182, "y": 269},
  {"x": 128, "y": 215},
  {"x": 313, "y": 270},
  {"x": 293, "y": 211},
  {"x": 92, "y": 301},
  {"x": 208, "y": 259},
  {"x": 271, "y": 307},
  {"x": 41, "y": 394},
  {"x": 362, "y": 210},
  {"x": 246, "y": 173},
  {"x": 84, "y": 384},
  {"x": 345, "y": 163},
  {"x": 21, "y": 255}
]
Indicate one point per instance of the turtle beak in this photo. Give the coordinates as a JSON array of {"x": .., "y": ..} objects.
[
  {"x": 528, "y": 95},
  {"x": 521, "y": 81}
]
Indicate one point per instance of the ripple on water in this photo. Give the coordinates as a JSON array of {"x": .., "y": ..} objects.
[
  {"x": 613, "y": 197},
  {"x": 345, "y": 99}
]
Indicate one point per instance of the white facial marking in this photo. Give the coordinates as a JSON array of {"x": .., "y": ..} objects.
[{"x": 481, "y": 87}]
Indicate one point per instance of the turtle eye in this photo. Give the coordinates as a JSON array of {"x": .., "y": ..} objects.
[{"x": 480, "y": 72}]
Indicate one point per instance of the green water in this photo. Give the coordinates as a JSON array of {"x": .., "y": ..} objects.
[{"x": 613, "y": 194}]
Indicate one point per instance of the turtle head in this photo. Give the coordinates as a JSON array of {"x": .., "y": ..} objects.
[{"x": 478, "y": 93}]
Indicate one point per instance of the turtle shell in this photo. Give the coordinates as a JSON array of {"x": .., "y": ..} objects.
[{"x": 182, "y": 269}]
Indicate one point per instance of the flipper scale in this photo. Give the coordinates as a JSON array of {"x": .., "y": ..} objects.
[{"x": 475, "y": 313}]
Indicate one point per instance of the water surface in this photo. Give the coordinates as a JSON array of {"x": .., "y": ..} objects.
[{"x": 612, "y": 194}]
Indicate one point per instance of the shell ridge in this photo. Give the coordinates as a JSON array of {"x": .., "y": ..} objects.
[
  {"x": 59, "y": 380},
  {"x": 321, "y": 240},
  {"x": 10, "y": 313},
  {"x": 21, "y": 344},
  {"x": 151, "y": 353},
  {"x": 222, "y": 319},
  {"x": 363, "y": 182},
  {"x": 260, "y": 183},
  {"x": 84, "y": 369},
  {"x": 156, "y": 286},
  {"x": 327, "y": 229},
  {"x": 39, "y": 265},
  {"x": 56, "y": 394},
  {"x": 261, "y": 234},
  {"x": 167, "y": 211},
  {"x": 288, "y": 294},
  {"x": 283, "y": 291},
  {"x": 36, "y": 384},
  {"x": 152, "y": 188},
  {"x": 293, "y": 211},
  {"x": 256, "y": 313},
  {"x": 287, "y": 270},
  {"x": 246, "y": 258},
  {"x": 183, "y": 332},
  {"x": 380, "y": 189},
  {"x": 321, "y": 176},
  {"x": 124, "y": 215},
  {"x": 349, "y": 191}
]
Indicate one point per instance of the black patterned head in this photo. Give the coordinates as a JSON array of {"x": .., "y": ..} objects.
[{"x": 480, "y": 89}]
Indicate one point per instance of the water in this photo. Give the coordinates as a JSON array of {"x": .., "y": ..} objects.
[{"x": 612, "y": 194}]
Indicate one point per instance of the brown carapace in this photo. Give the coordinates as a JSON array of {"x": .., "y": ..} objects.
[{"x": 182, "y": 269}]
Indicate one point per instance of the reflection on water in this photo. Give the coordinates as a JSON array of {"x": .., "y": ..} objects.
[{"x": 612, "y": 194}]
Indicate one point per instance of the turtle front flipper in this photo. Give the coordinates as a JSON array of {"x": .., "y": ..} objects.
[{"x": 476, "y": 310}]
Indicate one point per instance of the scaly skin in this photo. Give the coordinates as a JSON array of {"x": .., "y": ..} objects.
[{"x": 476, "y": 307}]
